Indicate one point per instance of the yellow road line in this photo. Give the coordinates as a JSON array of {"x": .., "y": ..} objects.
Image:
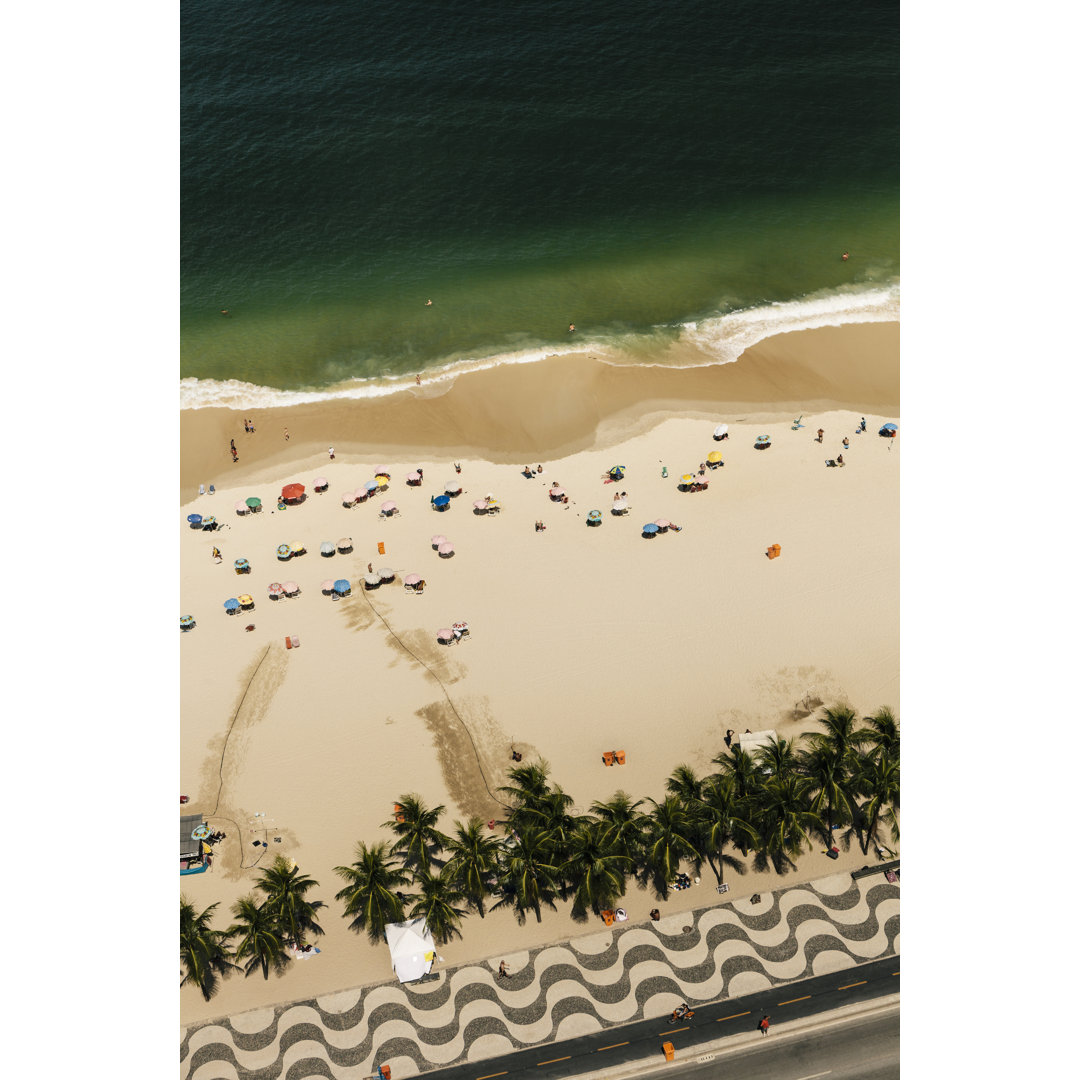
[
  {"x": 553, "y": 1060},
  {"x": 850, "y": 985},
  {"x": 735, "y": 1016},
  {"x": 673, "y": 1030},
  {"x": 490, "y": 1075},
  {"x": 793, "y": 1000},
  {"x": 598, "y": 1049}
]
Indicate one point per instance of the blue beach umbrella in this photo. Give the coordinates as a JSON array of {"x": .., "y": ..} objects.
[
  {"x": 209, "y": 522},
  {"x": 241, "y": 564},
  {"x": 594, "y": 517},
  {"x": 891, "y": 428},
  {"x": 650, "y": 529},
  {"x": 194, "y": 520},
  {"x": 187, "y": 622},
  {"x": 441, "y": 502},
  {"x": 232, "y": 604},
  {"x": 341, "y": 587},
  {"x": 284, "y": 551},
  {"x": 371, "y": 485}
]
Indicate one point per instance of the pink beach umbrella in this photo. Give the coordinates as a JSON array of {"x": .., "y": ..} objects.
[
  {"x": 382, "y": 470},
  {"x": 411, "y": 579},
  {"x": 480, "y": 504},
  {"x": 321, "y": 482},
  {"x": 446, "y": 549},
  {"x": 241, "y": 507},
  {"x": 413, "y": 478},
  {"x": 445, "y": 635},
  {"x": 388, "y": 508},
  {"x": 437, "y": 541},
  {"x": 327, "y": 587},
  {"x": 291, "y": 588},
  {"x": 662, "y": 523},
  {"x": 276, "y": 590}
]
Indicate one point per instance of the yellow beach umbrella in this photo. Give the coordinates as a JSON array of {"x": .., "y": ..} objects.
[
  {"x": 715, "y": 457},
  {"x": 297, "y": 549},
  {"x": 687, "y": 478}
]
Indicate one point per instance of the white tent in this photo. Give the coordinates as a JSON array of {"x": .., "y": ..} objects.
[
  {"x": 755, "y": 740},
  {"x": 720, "y": 429},
  {"x": 412, "y": 949}
]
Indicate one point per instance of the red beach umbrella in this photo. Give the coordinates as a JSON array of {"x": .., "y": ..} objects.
[{"x": 292, "y": 491}]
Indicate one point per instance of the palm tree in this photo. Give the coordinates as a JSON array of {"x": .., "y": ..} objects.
[
  {"x": 473, "y": 861},
  {"x": 778, "y": 757},
  {"x": 831, "y": 782},
  {"x": 724, "y": 820},
  {"x": 436, "y": 904},
  {"x": 669, "y": 832},
  {"x": 259, "y": 938},
  {"x": 551, "y": 817},
  {"x": 739, "y": 765},
  {"x": 527, "y": 876},
  {"x": 878, "y": 779},
  {"x": 286, "y": 889},
  {"x": 840, "y": 733},
  {"x": 418, "y": 838},
  {"x": 684, "y": 783},
  {"x": 787, "y": 819},
  {"x": 883, "y": 734},
  {"x": 372, "y": 891},
  {"x": 620, "y": 825},
  {"x": 527, "y": 782},
  {"x": 597, "y": 875},
  {"x": 203, "y": 950}
]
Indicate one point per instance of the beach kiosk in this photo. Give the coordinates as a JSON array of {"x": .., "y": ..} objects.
[
  {"x": 191, "y": 846},
  {"x": 412, "y": 949},
  {"x": 752, "y": 741}
]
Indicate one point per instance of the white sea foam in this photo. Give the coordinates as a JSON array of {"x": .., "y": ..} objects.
[{"x": 720, "y": 339}]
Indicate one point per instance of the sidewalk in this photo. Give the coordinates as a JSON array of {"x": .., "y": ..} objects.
[{"x": 621, "y": 974}]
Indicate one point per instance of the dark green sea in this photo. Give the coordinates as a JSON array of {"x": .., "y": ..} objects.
[{"x": 644, "y": 171}]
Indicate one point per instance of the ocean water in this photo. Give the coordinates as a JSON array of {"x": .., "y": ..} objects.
[{"x": 648, "y": 172}]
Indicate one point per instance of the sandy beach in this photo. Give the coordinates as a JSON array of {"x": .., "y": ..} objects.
[{"x": 582, "y": 640}]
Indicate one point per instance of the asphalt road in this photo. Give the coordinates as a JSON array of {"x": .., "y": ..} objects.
[
  {"x": 864, "y": 1048},
  {"x": 642, "y": 1040}
]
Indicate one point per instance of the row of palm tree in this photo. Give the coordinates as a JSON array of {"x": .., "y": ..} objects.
[
  {"x": 260, "y": 937},
  {"x": 841, "y": 782}
]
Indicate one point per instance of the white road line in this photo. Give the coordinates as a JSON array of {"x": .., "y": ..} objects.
[{"x": 816, "y": 1075}]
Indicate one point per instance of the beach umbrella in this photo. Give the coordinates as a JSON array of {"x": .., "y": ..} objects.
[
  {"x": 446, "y": 549},
  {"x": 715, "y": 457},
  {"x": 388, "y": 508},
  {"x": 437, "y": 540},
  {"x": 298, "y": 549},
  {"x": 326, "y": 587},
  {"x": 687, "y": 479},
  {"x": 385, "y": 573},
  {"x": 662, "y": 524},
  {"x": 594, "y": 516},
  {"x": 413, "y": 478},
  {"x": 372, "y": 581},
  {"x": 241, "y": 508},
  {"x": 371, "y": 485},
  {"x": 209, "y": 522},
  {"x": 232, "y": 604},
  {"x": 617, "y": 471},
  {"x": 342, "y": 587},
  {"x": 277, "y": 589},
  {"x": 445, "y": 635},
  {"x": 246, "y": 600},
  {"x": 321, "y": 482},
  {"x": 761, "y": 442},
  {"x": 382, "y": 481},
  {"x": 555, "y": 492},
  {"x": 291, "y": 588},
  {"x": 241, "y": 564},
  {"x": 381, "y": 470},
  {"x": 187, "y": 622},
  {"x": 348, "y": 498},
  {"x": 480, "y": 504},
  {"x": 720, "y": 429},
  {"x": 650, "y": 529},
  {"x": 254, "y": 502},
  {"x": 890, "y": 428},
  {"x": 344, "y": 544},
  {"x": 411, "y": 579},
  {"x": 194, "y": 520},
  {"x": 452, "y": 487},
  {"x": 326, "y": 548},
  {"x": 292, "y": 491},
  {"x": 201, "y": 832},
  {"x": 441, "y": 502}
]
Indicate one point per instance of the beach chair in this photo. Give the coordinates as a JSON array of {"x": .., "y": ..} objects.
[
  {"x": 609, "y": 757},
  {"x": 608, "y": 917},
  {"x": 620, "y": 757}
]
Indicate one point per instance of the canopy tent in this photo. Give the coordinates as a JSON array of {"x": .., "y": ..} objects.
[
  {"x": 753, "y": 741},
  {"x": 412, "y": 949}
]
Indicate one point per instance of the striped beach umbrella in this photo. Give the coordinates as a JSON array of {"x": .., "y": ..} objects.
[
  {"x": 240, "y": 565},
  {"x": 187, "y": 622},
  {"x": 298, "y": 549},
  {"x": 276, "y": 590},
  {"x": 209, "y": 522},
  {"x": 284, "y": 551}
]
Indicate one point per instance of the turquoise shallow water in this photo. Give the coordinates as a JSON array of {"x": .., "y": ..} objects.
[{"x": 643, "y": 171}]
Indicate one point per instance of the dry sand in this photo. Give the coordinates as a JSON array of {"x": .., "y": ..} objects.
[{"x": 582, "y": 639}]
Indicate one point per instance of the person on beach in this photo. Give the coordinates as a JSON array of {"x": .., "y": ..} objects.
[
  {"x": 840, "y": 460},
  {"x": 457, "y": 466},
  {"x": 417, "y": 380},
  {"x": 763, "y": 1027},
  {"x": 504, "y": 971},
  {"x": 820, "y": 434},
  {"x": 727, "y": 737},
  {"x": 540, "y": 526},
  {"x": 369, "y": 570},
  {"x": 539, "y": 468},
  {"x": 862, "y": 424},
  {"x": 286, "y": 434},
  {"x": 655, "y": 914},
  {"x": 331, "y": 453},
  {"x": 846, "y": 443},
  {"x": 235, "y": 456},
  {"x": 215, "y": 554}
]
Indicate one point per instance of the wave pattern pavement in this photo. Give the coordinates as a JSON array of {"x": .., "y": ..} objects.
[{"x": 619, "y": 975}]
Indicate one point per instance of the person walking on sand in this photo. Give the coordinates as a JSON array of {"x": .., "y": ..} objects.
[
  {"x": 846, "y": 442},
  {"x": 820, "y": 434},
  {"x": 417, "y": 380},
  {"x": 763, "y": 1027},
  {"x": 235, "y": 456},
  {"x": 286, "y": 434},
  {"x": 504, "y": 971},
  {"x": 331, "y": 451}
]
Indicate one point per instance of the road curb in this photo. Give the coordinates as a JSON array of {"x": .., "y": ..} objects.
[{"x": 728, "y": 1043}]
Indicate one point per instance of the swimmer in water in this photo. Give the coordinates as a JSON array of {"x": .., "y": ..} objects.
[
  {"x": 571, "y": 328},
  {"x": 845, "y": 256},
  {"x": 427, "y": 303}
]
